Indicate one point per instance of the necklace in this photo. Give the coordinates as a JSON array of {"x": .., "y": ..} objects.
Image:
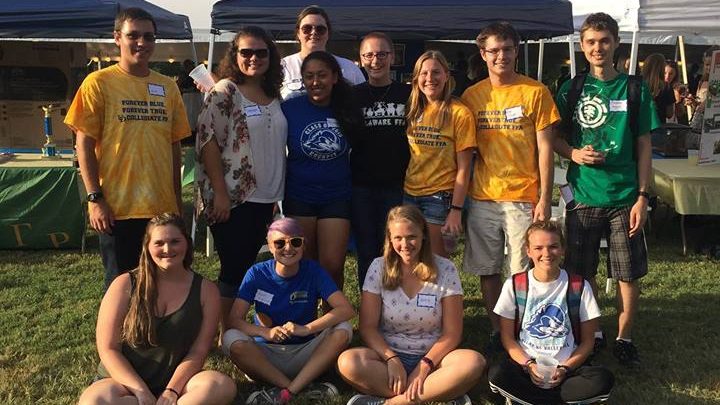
[{"x": 374, "y": 95}]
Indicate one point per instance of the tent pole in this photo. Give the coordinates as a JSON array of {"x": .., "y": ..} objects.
[
  {"x": 571, "y": 48},
  {"x": 194, "y": 51},
  {"x": 683, "y": 64},
  {"x": 211, "y": 47},
  {"x": 527, "y": 60},
  {"x": 541, "y": 51},
  {"x": 633, "y": 53}
]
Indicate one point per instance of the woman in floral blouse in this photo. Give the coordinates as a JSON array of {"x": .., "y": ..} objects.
[{"x": 241, "y": 153}]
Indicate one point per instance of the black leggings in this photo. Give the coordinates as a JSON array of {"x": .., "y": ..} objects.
[
  {"x": 587, "y": 383},
  {"x": 237, "y": 242}
]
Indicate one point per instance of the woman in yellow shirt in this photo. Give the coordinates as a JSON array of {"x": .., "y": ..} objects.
[{"x": 441, "y": 136}]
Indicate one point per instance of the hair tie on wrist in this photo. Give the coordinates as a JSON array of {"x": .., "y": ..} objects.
[
  {"x": 428, "y": 362},
  {"x": 391, "y": 357},
  {"x": 173, "y": 391}
]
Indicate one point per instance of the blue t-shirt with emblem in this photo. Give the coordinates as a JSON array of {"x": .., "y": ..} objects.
[
  {"x": 318, "y": 164},
  {"x": 292, "y": 299}
]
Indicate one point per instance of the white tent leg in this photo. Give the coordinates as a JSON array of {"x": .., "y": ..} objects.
[
  {"x": 571, "y": 49},
  {"x": 683, "y": 64},
  {"x": 541, "y": 51},
  {"x": 527, "y": 59},
  {"x": 633, "y": 53},
  {"x": 211, "y": 48}
]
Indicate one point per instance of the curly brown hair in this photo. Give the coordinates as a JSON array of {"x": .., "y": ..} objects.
[{"x": 229, "y": 69}]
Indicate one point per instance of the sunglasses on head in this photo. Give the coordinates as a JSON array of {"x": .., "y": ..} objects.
[
  {"x": 248, "y": 53},
  {"x": 307, "y": 29},
  {"x": 295, "y": 241}
]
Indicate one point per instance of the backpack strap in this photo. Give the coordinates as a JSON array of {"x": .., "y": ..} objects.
[
  {"x": 574, "y": 296},
  {"x": 573, "y": 96},
  {"x": 520, "y": 288},
  {"x": 634, "y": 89}
]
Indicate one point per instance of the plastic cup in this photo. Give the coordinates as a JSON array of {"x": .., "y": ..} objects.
[
  {"x": 203, "y": 77},
  {"x": 546, "y": 367},
  {"x": 693, "y": 156}
]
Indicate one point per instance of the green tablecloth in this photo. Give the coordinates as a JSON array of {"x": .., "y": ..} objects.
[
  {"x": 40, "y": 205},
  {"x": 691, "y": 189}
]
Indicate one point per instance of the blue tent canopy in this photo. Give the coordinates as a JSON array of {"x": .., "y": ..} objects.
[
  {"x": 81, "y": 19},
  {"x": 402, "y": 19}
]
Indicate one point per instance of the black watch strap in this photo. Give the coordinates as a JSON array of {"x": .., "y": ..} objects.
[
  {"x": 95, "y": 196},
  {"x": 644, "y": 194}
]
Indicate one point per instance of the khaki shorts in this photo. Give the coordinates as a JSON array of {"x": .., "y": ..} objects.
[
  {"x": 289, "y": 359},
  {"x": 489, "y": 225}
]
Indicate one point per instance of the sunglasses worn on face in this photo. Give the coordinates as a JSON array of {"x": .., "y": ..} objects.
[
  {"x": 295, "y": 241},
  {"x": 134, "y": 36},
  {"x": 319, "y": 29},
  {"x": 248, "y": 53},
  {"x": 380, "y": 55}
]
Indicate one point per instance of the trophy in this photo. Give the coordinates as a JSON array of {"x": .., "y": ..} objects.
[{"x": 49, "y": 150}]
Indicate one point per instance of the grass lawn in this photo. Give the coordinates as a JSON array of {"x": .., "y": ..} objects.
[{"x": 49, "y": 302}]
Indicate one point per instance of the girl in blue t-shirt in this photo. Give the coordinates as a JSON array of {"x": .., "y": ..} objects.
[
  {"x": 288, "y": 345},
  {"x": 321, "y": 125}
]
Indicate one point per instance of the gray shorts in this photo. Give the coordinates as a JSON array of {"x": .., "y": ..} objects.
[
  {"x": 489, "y": 226},
  {"x": 289, "y": 359}
]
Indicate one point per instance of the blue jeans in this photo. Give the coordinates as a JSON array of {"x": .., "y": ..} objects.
[{"x": 370, "y": 207}]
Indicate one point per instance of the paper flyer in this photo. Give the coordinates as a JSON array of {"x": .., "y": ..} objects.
[{"x": 710, "y": 137}]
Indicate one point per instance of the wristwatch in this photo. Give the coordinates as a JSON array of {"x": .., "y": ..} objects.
[
  {"x": 95, "y": 196},
  {"x": 644, "y": 194}
]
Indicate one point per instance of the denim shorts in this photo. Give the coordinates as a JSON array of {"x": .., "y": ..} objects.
[
  {"x": 434, "y": 207},
  {"x": 409, "y": 361},
  {"x": 333, "y": 209}
]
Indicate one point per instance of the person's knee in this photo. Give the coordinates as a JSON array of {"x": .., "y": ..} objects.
[
  {"x": 235, "y": 343},
  {"x": 339, "y": 336},
  {"x": 348, "y": 363},
  {"x": 222, "y": 386}
]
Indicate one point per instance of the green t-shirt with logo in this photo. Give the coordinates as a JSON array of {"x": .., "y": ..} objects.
[{"x": 601, "y": 120}]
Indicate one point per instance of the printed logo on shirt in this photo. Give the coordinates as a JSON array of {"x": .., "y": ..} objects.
[
  {"x": 547, "y": 322},
  {"x": 382, "y": 113},
  {"x": 592, "y": 112},
  {"x": 299, "y": 297},
  {"x": 321, "y": 141}
]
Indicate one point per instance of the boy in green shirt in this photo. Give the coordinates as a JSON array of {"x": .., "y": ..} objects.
[{"x": 609, "y": 174}]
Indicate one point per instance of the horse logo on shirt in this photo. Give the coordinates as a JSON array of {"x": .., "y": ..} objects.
[
  {"x": 547, "y": 321},
  {"x": 321, "y": 141}
]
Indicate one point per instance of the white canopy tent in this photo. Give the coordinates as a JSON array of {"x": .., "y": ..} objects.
[{"x": 654, "y": 22}]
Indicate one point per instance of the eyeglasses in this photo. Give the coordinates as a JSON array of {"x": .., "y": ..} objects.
[
  {"x": 495, "y": 51},
  {"x": 368, "y": 56},
  {"x": 134, "y": 36},
  {"x": 248, "y": 53},
  {"x": 295, "y": 241},
  {"x": 319, "y": 29}
]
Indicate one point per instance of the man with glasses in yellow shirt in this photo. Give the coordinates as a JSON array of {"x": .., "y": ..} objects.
[
  {"x": 513, "y": 173},
  {"x": 129, "y": 121}
]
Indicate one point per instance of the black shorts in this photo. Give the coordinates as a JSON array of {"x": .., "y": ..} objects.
[{"x": 333, "y": 209}]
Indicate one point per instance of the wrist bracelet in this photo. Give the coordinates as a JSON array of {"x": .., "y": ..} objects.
[
  {"x": 173, "y": 391},
  {"x": 428, "y": 362},
  {"x": 528, "y": 362},
  {"x": 390, "y": 358},
  {"x": 456, "y": 207},
  {"x": 564, "y": 367}
]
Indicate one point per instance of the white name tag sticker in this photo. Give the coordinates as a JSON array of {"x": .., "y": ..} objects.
[
  {"x": 426, "y": 300},
  {"x": 252, "y": 111},
  {"x": 618, "y": 105},
  {"x": 263, "y": 297},
  {"x": 332, "y": 123},
  {"x": 513, "y": 113},
  {"x": 156, "y": 90}
]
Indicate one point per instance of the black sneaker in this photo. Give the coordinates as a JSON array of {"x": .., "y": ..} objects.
[
  {"x": 626, "y": 353},
  {"x": 495, "y": 345}
]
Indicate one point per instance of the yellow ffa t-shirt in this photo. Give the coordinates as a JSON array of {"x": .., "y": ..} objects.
[
  {"x": 134, "y": 121},
  {"x": 433, "y": 164},
  {"x": 508, "y": 119}
]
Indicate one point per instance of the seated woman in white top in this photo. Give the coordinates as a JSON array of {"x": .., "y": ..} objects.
[
  {"x": 313, "y": 31},
  {"x": 411, "y": 319}
]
